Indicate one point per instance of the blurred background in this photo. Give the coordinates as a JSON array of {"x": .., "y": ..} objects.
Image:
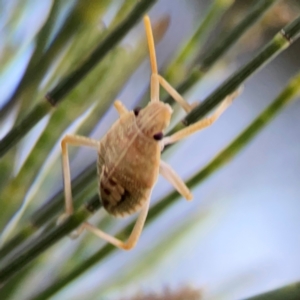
[{"x": 240, "y": 235}]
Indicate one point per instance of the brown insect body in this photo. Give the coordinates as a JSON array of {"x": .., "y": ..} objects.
[
  {"x": 129, "y": 155},
  {"x": 126, "y": 178}
]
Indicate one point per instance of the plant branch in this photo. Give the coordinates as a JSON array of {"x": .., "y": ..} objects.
[
  {"x": 178, "y": 67},
  {"x": 43, "y": 242},
  {"x": 222, "y": 45},
  {"x": 40, "y": 62},
  {"x": 56, "y": 95},
  {"x": 51, "y": 208},
  {"x": 281, "y": 41},
  {"x": 225, "y": 42},
  {"x": 288, "y": 292},
  {"x": 119, "y": 64}
]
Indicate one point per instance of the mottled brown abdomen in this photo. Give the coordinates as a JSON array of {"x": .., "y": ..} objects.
[{"x": 128, "y": 167}]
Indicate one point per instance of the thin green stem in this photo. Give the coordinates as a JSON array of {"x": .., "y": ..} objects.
[
  {"x": 177, "y": 67},
  {"x": 52, "y": 207},
  {"x": 122, "y": 12},
  {"x": 13, "y": 136},
  {"x": 222, "y": 45},
  {"x": 68, "y": 83},
  {"x": 288, "y": 292},
  {"x": 43, "y": 242},
  {"x": 50, "y": 210},
  {"x": 34, "y": 71},
  {"x": 10, "y": 47},
  {"x": 227, "y": 40},
  {"x": 117, "y": 69},
  {"x": 20, "y": 259},
  {"x": 281, "y": 41},
  {"x": 69, "y": 31}
]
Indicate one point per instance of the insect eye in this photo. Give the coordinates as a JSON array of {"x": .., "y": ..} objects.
[
  {"x": 137, "y": 110},
  {"x": 158, "y": 136}
]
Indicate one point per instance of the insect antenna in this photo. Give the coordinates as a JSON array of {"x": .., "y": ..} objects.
[
  {"x": 154, "y": 84},
  {"x": 151, "y": 45}
]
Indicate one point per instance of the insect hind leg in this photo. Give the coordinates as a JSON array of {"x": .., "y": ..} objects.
[{"x": 134, "y": 236}]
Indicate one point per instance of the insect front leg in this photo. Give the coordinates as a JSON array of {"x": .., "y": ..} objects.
[
  {"x": 168, "y": 173},
  {"x": 120, "y": 107},
  {"x": 175, "y": 95},
  {"x": 202, "y": 123},
  {"x": 134, "y": 236},
  {"x": 74, "y": 140}
]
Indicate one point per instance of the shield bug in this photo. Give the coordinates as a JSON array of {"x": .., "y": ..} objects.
[{"x": 129, "y": 155}]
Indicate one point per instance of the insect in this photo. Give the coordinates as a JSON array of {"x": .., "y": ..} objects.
[{"x": 129, "y": 155}]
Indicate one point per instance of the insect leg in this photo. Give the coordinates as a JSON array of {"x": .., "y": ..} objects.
[
  {"x": 134, "y": 236},
  {"x": 154, "y": 85},
  {"x": 119, "y": 106},
  {"x": 168, "y": 173},
  {"x": 74, "y": 140},
  {"x": 175, "y": 95},
  {"x": 202, "y": 123}
]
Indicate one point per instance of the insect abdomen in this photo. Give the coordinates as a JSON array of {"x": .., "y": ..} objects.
[{"x": 128, "y": 167}]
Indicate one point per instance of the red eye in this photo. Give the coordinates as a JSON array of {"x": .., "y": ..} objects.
[
  {"x": 137, "y": 110},
  {"x": 158, "y": 136}
]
